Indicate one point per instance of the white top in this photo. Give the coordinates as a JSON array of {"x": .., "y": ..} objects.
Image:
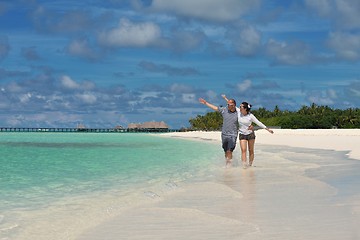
[{"x": 246, "y": 120}]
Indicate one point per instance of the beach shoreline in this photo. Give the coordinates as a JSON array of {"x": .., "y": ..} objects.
[
  {"x": 327, "y": 139},
  {"x": 294, "y": 191}
]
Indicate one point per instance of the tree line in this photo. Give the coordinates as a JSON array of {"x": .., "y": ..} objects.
[{"x": 307, "y": 117}]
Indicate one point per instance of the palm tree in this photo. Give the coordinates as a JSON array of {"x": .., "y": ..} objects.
[{"x": 277, "y": 111}]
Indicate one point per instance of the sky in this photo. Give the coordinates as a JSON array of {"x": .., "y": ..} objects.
[{"x": 105, "y": 63}]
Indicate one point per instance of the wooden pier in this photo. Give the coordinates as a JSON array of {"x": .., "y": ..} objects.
[{"x": 90, "y": 130}]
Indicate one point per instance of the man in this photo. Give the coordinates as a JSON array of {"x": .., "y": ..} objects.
[{"x": 229, "y": 128}]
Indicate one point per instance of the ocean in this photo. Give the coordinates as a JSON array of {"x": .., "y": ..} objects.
[{"x": 88, "y": 177}]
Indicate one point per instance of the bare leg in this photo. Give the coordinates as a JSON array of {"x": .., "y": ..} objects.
[
  {"x": 228, "y": 157},
  {"x": 243, "y": 146},
  {"x": 251, "y": 144}
]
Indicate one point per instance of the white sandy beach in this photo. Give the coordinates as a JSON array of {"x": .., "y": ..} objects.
[
  {"x": 310, "y": 192},
  {"x": 330, "y": 139}
]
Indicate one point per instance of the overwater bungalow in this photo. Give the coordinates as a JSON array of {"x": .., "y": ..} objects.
[{"x": 148, "y": 127}]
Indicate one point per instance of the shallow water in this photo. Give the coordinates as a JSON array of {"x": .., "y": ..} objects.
[
  {"x": 334, "y": 168},
  {"x": 65, "y": 174}
]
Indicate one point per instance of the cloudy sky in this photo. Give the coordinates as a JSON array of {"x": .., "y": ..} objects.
[{"x": 104, "y": 63}]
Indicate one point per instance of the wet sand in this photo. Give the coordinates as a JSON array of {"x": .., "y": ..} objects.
[{"x": 299, "y": 188}]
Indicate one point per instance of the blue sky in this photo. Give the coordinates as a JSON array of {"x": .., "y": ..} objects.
[{"x": 104, "y": 63}]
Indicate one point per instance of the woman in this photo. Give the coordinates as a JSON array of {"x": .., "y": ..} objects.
[{"x": 247, "y": 136}]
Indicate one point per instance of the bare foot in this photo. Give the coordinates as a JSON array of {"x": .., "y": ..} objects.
[
  {"x": 244, "y": 164},
  {"x": 228, "y": 163}
]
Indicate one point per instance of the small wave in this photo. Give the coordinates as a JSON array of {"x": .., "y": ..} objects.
[
  {"x": 171, "y": 185},
  {"x": 151, "y": 194},
  {"x": 8, "y": 228}
]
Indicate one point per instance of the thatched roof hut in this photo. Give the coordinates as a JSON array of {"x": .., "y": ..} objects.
[
  {"x": 80, "y": 126},
  {"x": 162, "y": 125},
  {"x": 134, "y": 125},
  {"x": 149, "y": 125}
]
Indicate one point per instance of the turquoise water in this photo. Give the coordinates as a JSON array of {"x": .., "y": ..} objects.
[{"x": 41, "y": 168}]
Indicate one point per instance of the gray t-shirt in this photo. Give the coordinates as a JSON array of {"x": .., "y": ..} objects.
[{"x": 230, "y": 122}]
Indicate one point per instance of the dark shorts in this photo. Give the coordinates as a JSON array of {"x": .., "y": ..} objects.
[
  {"x": 228, "y": 142},
  {"x": 250, "y": 136}
]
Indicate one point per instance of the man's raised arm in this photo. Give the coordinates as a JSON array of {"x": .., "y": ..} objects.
[{"x": 213, "y": 107}]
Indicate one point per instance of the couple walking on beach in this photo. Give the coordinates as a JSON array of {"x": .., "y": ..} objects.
[{"x": 237, "y": 120}]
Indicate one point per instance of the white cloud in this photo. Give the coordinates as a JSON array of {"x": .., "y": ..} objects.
[
  {"x": 14, "y": 87},
  {"x": 349, "y": 13},
  {"x": 326, "y": 97},
  {"x": 186, "y": 40},
  {"x": 81, "y": 48},
  {"x": 320, "y": 100},
  {"x": 248, "y": 41},
  {"x": 24, "y": 98},
  {"x": 188, "y": 98},
  {"x": 292, "y": 93},
  {"x": 131, "y": 34},
  {"x": 296, "y": 53},
  {"x": 213, "y": 31},
  {"x": 78, "y": 47},
  {"x": 344, "y": 13},
  {"x": 214, "y": 10},
  {"x": 71, "y": 84},
  {"x": 332, "y": 94},
  {"x": 211, "y": 95},
  {"x": 67, "y": 82},
  {"x": 346, "y": 45},
  {"x": 355, "y": 92},
  {"x": 244, "y": 86},
  {"x": 15, "y": 120},
  {"x": 322, "y": 7},
  {"x": 87, "y": 98},
  {"x": 180, "y": 88}
]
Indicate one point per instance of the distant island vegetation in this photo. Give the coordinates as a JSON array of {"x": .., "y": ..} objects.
[{"x": 307, "y": 117}]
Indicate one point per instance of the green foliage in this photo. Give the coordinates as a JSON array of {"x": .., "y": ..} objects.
[
  {"x": 271, "y": 121},
  {"x": 211, "y": 121},
  {"x": 307, "y": 117},
  {"x": 296, "y": 121}
]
